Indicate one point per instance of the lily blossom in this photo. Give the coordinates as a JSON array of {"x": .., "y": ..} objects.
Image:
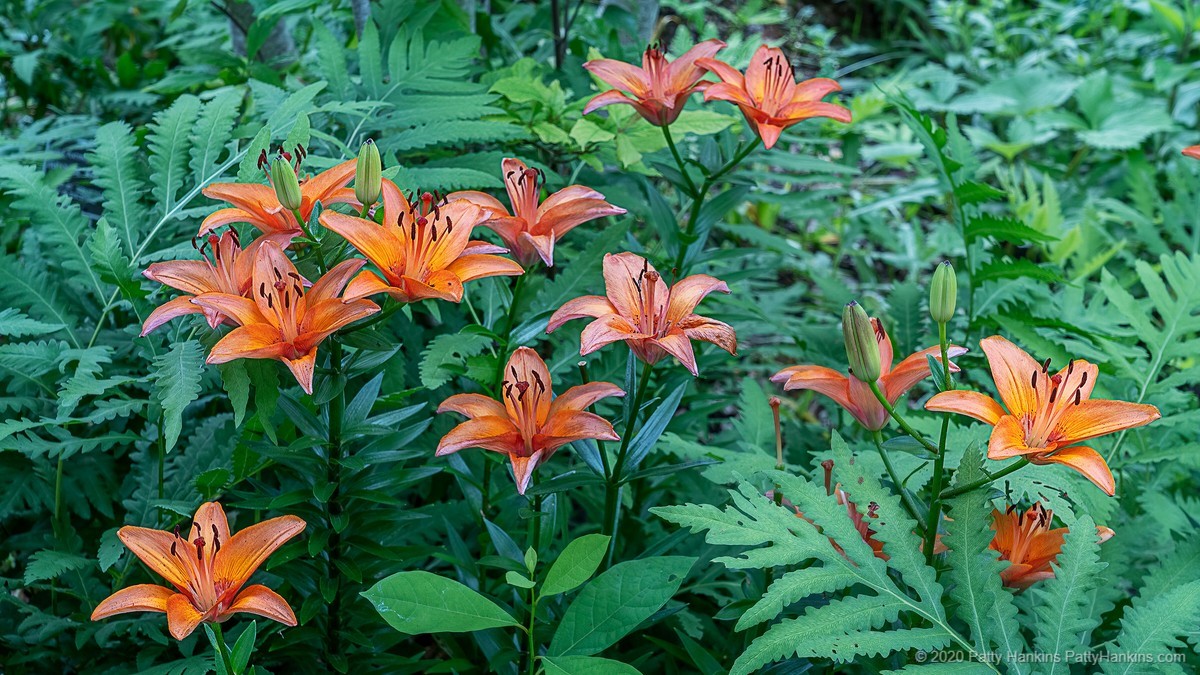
[
  {"x": 769, "y": 96},
  {"x": 208, "y": 571},
  {"x": 257, "y": 204},
  {"x": 1028, "y": 543},
  {"x": 528, "y": 426},
  {"x": 1046, "y": 414},
  {"x": 284, "y": 322},
  {"x": 1193, "y": 152},
  {"x": 531, "y": 229},
  {"x": 423, "y": 249},
  {"x": 855, "y": 395},
  {"x": 660, "y": 88},
  {"x": 227, "y": 271},
  {"x": 652, "y": 318}
]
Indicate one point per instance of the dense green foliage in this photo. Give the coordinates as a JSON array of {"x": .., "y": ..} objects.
[{"x": 1035, "y": 145}]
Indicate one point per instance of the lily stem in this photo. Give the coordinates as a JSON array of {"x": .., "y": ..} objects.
[
  {"x": 223, "y": 649},
  {"x": 906, "y": 497},
  {"x": 962, "y": 489},
  {"x": 916, "y": 435},
  {"x": 691, "y": 186},
  {"x": 505, "y": 337},
  {"x": 939, "y": 460},
  {"x": 698, "y": 200},
  {"x": 316, "y": 245},
  {"x": 612, "y": 492},
  {"x": 533, "y": 600},
  {"x": 333, "y": 469}
]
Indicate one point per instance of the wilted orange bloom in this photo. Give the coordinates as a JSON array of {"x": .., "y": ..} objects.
[
  {"x": 641, "y": 310},
  {"x": 256, "y": 203},
  {"x": 1047, "y": 414},
  {"x": 282, "y": 321},
  {"x": 208, "y": 571},
  {"x": 531, "y": 230},
  {"x": 855, "y": 395},
  {"x": 1193, "y": 152},
  {"x": 422, "y": 248},
  {"x": 660, "y": 88},
  {"x": 769, "y": 96},
  {"x": 1027, "y": 542},
  {"x": 229, "y": 270},
  {"x": 528, "y": 426}
]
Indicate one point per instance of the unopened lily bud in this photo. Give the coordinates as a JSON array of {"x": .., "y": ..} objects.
[
  {"x": 367, "y": 174},
  {"x": 287, "y": 187},
  {"x": 943, "y": 293},
  {"x": 862, "y": 348}
]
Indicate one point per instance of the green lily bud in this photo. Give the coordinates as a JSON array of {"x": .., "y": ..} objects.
[
  {"x": 943, "y": 292},
  {"x": 862, "y": 347},
  {"x": 287, "y": 188},
  {"x": 367, "y": 174}
]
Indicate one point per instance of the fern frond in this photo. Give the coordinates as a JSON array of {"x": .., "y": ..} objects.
[
  {"x": 446, "y": 356},
  {"x": 1062, "y": 622},
  {"x": 168, "y": 141},
  {"x": 118, "y": 173},
  {"x": 1152, "y": 626},
  {"x": 177, "y": 376}
]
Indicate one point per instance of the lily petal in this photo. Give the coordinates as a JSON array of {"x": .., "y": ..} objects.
[
  {"x": 302, "y": 369},
  {"x": 377, "y": 242},
  {"x": 182, "y": 617},
  {"x": 1013, "y": 370},
  {"x": 726, "y": 72},
  {"x": 583, "y": 396},
  {"x": 242, "y": 310},
  {"x": 677, "y": 344},
  {"x": 688, "y": 292},
  {"x": 622, "y": 274},
  {"x": 628, "y": 78},
  {"x": 153, "y": 547},
  {"x": 368, "y": 283},
  {"x": 594, "y": 306},
  {"x": 249, "y": 548},
  {"x": 169, "y": 310},
  {"x": 260, "y": 600},
  {"x": 332, "y": 282},
  {"x": 472, "y": 405},
  {"x": 719, "y": 333},
  {"x": 604, "y": 331},
  {"x": 1008, "y": 440},
  {"x": 490, "y": 433},
  {"x": 915, "y": 368},
  {"x": 209, "y": 519},
  {"x": 573, "y": 425},
  {"x": 253, "y": 341},
  {"x": 190, "y": 276},
  {"x": 822, "y": 380},
  {"x": 471, "y": 267},
  {"x": 970, "y": 403},
  {"x": 1098, "y": 417},
  {"x": 138, "y": 598},
  {"x": 1084, "y": 460},
  {"x": 523, "y": 468}
]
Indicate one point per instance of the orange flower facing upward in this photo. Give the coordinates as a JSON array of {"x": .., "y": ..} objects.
[
  {"x": 651, "y": 317},
  {"x": 855, "y": 395},
  {"x": 659, "y": 89},
  {"x": 769, "y": 96},
  {"x": 528, "y": 426},
  {"x": 257, "y": 204},
  {"x": 282, "y": 321},
  {"x": 1047, "y": 414},
  {"x": 423, "y": 248},
  {"x": 208, "y": 571},
  {"x": 531, "y": 229},
  {"x": 1193, "y": 152},
  {"x": 229, "y": 270},
  {"x": 1028, "y": 543}
]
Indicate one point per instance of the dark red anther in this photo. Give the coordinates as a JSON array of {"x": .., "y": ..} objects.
[
  {"x": 173, "y": 551},
  {"x": 216, "y": 540},
  {"x": 1046, "y": 365},
  {"x": 1033, "y": 380},
  {"x": 828, "y": 466},
  {"x": 199, "y": 543}
]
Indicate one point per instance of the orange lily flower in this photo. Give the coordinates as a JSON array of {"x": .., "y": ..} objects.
[
  {"x": 1193, "y": 152},
  {"x": 1047, "y": 414},
  {"x": 769, "y": 96},
  {"x": 855, "y": 395},
  {"x": 1027, "y": 542},
  {"x": 208, "y": 572},
  {"x": 654, "y": 319},
  {"x": 256, "y": 203},
  {"x": 423, "y": 249},
  {"x": 528, "y": 426},
  {"x": 228, "y": 271},
  {"x": 531, "y": 230},
  {"x": 659, "y": 89},
  {"x": 282, "y": 321}
]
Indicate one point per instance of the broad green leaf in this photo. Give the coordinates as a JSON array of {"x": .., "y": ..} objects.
[
  {"x": 576, "y": 564},
  {"x": 422, "y": 602},
  {"x": 586, "y": 665}
]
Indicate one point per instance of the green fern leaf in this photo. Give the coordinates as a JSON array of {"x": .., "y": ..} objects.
[
  {"x": 1062, "y": 624},
  {"x": 48, "y": 564},
  {"x": 1152, "y": 627},
  {"x": 169, "y": 137},
  {"x": 446, "y": 356},
  {"x": 32, "y": 289},
  {"x": 177, "y": 376},
  {"x": 211, "y": 131},
  {"x": 111, "y": 263},
  {"x": 14, "y": 324},
  {"x": 118, "y": 173}
]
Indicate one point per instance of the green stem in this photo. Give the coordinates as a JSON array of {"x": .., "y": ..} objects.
[
  {"x": 223, "y": 649},
  {"x": 533, "y": 600},
  {"x": 939, "y": 460},
  {"x": 1011, "y": 468},
  {"x": 162, "y": 463},
  {"x": 909, "y": 503},
  {"x": 510, "y": 319},
  {"x": 699, "y": 196},
  {"x": 366, "y": 210},
  {"x": 535, "y": 522},
  {"x": 58, "y": 479},
  {"x": 333, "y": 469},
  {"x": 316, "y": 245},
  {"x": 900, "y": 420},
  {"x": 691, "y": 187},
  {"x": 612, "y": 491},
  {"x": 485, "y": 489},
  {"x": 583, "y": 374}
]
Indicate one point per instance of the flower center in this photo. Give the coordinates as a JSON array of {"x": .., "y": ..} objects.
[
  {"x": 779, "y": 77},
  {"x": 1055, "y": 395},
  {"x": 524, "y": 188},
  {"x": 198, "y": 567},
  {"x": 283, "y": 298},
  {"x": 524, "y": 398},
  {"x": 426, "y": 224}
]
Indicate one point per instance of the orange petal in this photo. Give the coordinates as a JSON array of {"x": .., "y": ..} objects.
[
  {"x": 1193, "y": 152},
  {"x": 1084, "y": 460},
  {"x": 1104, "y": 533},
  {"x": 970, "y": 403},
  {"x": 721, "y": 334},
  {"x": 769, "y": 133},
  {"x": 688, "y": 292},
  {"x": 229, "y": 216},
  {"x": 523, "y": 468},
  {"x": 594, "y": 306},
  {"x": 395, "y": 204},
  {"x": 368, "y": 283},
  {"x": 332, "y": 282},
  {"x": 604, "y": 331},
  {"x": 248, "y": 549},
  {"x": 377, "y": 242},
  {"x": 209, "y": 519},
  {"x": 561, "y": 218},
  {"x": 322, "y": 186},
  {"x": 815, "y": 89},
  {"x": 733, "y": 93},
  {"x": 568, "y": 194},
  {"x": 327, "y": 316},
  {"x": 622, "y": 276},
  {"x": 1008, "y": 440},
  {"x": 1097, "y": 417},
  {"x": 864, "y": 406},
  {"x": 302, "y": 369},
  {"x": 451, "y": 243},
  {"x": 260, "y": 600},
  {"x": 822, "y": 380},
  {"x": 542, "y": 245},
  {"x": 256, "y": 199},
  {"x": 182, "y": 617},
  {"x": 471, "y": 267},
  {"x": 684, "y": 72},
  {"x": 255, "y": 341},
  {"x": 526, "y": 366},
  {"x": 153, "y": 547},
  {"x": 190, "y": 276},
  {"x": 482, "y": 199},
  {"x": 610, "y": 97},
  {"x": 677, "y": 344},
  {"x": 490, "y": 433},
  {"x": 727, "y": 73},
  {"x": 796, "y": 112},
  {"x": 762, "y": 72},
  {"x": 583, "y": 396},
  {"x": 570, "y": 426},
  {"x": 628, "y": 78},
  {"x": 244, "y": 311},
  {"x": 169, "y": 310},
  {"x": 442, "y": 285},
  {"x": 913, "y": 369},
  {"x": 139, "y": 598},
  {"x": 1013, "y": 370},
  {"x": 473, "y": 405}
]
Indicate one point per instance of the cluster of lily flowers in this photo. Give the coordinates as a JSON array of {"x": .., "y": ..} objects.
[{"x": 419, "y": 247}]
